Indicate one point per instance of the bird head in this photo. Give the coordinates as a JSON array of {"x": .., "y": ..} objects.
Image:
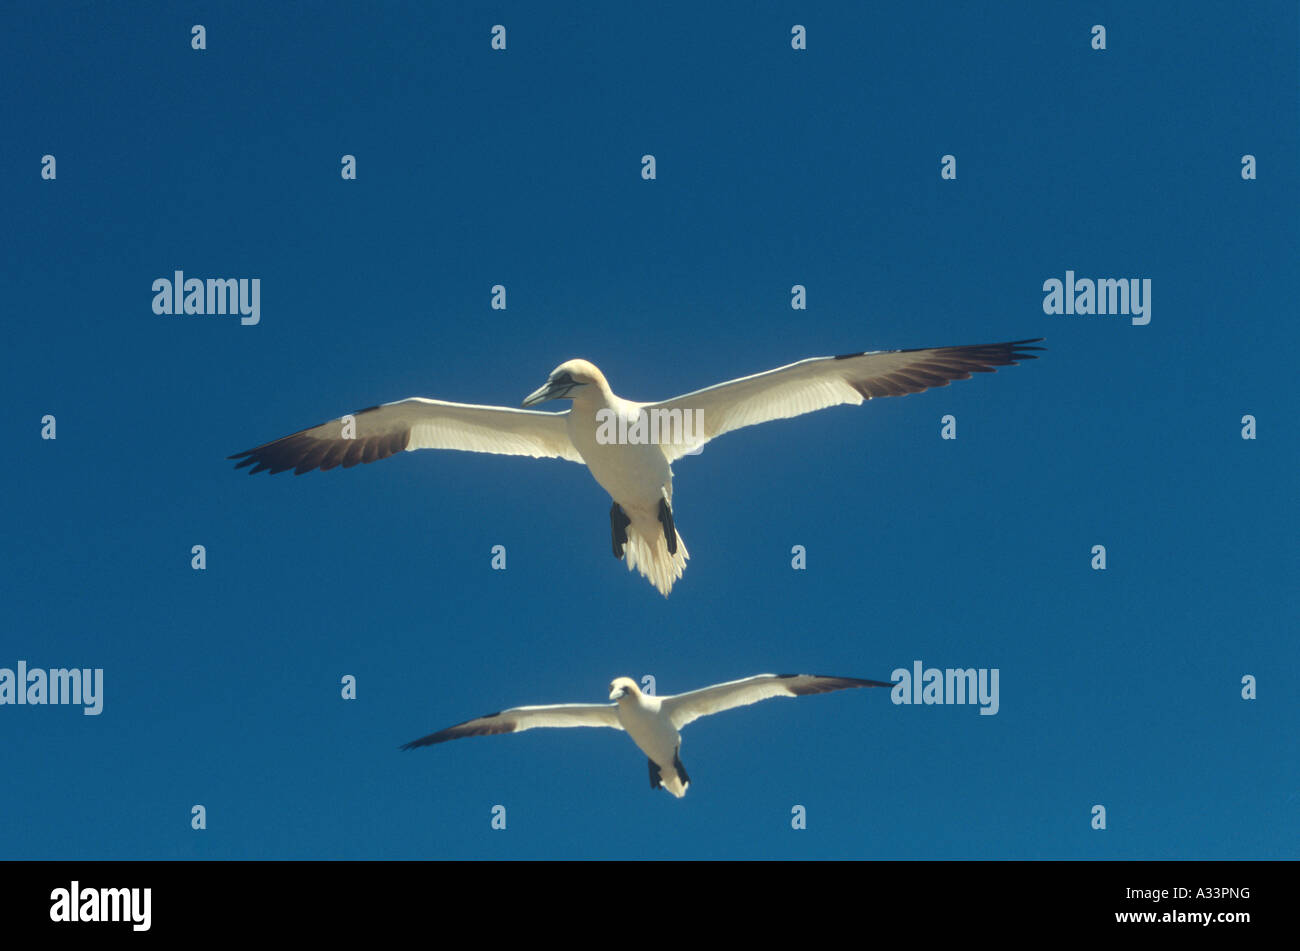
[
  {"x": 622, "y": 687},
  {"x": 565, "y": 382}
]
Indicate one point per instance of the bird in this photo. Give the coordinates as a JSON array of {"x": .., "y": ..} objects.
[
  {"x": 628, "y": 447},
  {"x": 652, "y": 722}
]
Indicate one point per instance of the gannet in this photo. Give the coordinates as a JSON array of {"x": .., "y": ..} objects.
[
  {"x": 628, "y": 447},
  {"x": 652, "y": 722}
]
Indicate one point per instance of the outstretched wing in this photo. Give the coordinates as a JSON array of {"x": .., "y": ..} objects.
[
  {"x": 821, "y": 382},
  {"x": 416, "y": 423},
  {"x": 685, "y": 708},
  {"x": 526, "y": 718}
]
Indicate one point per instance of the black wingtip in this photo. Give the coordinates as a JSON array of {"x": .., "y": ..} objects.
[
  {"x": 1016, "y": 349},
  {"x": 1020, "y": 348},
  {"x": 248, "y": 458},
  {"x": 843, "y": 682}
]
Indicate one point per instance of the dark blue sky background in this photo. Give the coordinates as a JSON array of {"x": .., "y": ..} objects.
[{"x": 775, "y": 167}]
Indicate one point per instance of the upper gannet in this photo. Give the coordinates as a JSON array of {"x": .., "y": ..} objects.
[
  {"x": 628, "y": 446},
  {"x": 652, "y": 722}
]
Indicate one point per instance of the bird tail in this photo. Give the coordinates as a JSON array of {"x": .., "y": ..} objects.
[
  {"x": 647, "y": 552},
  {"x": 676, "y": 785},
  {"x": 675, "y": 780}
]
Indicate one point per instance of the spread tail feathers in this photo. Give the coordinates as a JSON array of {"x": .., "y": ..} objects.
[
  {"x": 652, "y": 558},
  {"x": 672, "y": 780},
  {"x": 676, "y": 782}
]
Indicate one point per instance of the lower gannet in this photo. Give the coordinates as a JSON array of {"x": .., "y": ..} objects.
[
  {"x": 628, "y": 447},
  {"x": 652, "y": 722}
]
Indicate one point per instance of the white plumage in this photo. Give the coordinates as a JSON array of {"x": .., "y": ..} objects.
[
  {"x": 652, "y": 722},
  {"x": 600, "y": 430}
]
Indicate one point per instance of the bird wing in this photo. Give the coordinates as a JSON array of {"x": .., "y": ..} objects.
[
  {"x": 416, "y": 423},
  {"x": 820, "y": 382},
  {"x": 526, "y": 718},
  {"x": 685, "y": 708}
]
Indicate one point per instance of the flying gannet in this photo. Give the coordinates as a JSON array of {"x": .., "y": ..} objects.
[
  {"x": 652, "y": 722},
  {"x": 628, "y": 447}
]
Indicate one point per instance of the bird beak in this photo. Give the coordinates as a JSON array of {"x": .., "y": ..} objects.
[
  {"x": 617, "y": 693},
  {"x": 539, "y": 395},
  {"x": 551, "y": 390}
]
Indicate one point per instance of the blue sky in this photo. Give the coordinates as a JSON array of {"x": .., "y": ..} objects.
[{"x": 774, "y": 167}]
